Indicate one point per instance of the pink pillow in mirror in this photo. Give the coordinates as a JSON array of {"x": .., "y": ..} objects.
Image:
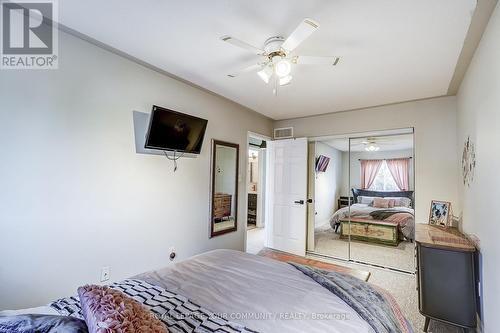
[
  {"x": 380, "y": 203},
  {"x": 392, "y": 203}
]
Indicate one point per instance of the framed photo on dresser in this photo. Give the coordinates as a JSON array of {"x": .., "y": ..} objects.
[{"x": 440, "y": 213}]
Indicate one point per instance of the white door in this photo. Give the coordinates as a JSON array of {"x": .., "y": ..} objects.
[{"x": 287, "y": 195}]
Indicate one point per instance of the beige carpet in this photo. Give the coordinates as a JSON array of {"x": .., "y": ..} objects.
[{"x": 327, "y": 242}]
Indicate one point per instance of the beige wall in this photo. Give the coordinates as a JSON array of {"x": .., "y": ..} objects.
[
  {"x": 435, "y": 124},
  {"x": 478, "y": 103},
  {"x": 75, "y": 194}
]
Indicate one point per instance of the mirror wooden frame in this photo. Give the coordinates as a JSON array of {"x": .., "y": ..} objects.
[{"x": 216, "y": 143}]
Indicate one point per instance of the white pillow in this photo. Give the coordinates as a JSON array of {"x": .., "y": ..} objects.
[{"x": 365, "y": 200}]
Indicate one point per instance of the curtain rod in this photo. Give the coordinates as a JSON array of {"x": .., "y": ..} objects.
[{"x": 383, "y": 159}]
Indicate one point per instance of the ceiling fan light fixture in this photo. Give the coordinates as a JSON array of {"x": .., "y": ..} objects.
[
  {"x": 285, "y": 80},
  {"x": 282, "y": 67},
  {"x": 265, "y": 74},
  {"x": 277, "y": 59}
]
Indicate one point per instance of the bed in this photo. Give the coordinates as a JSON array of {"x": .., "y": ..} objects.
[
  {"x": 402, "y": 215},
  {"x": 258, "y": 294}
]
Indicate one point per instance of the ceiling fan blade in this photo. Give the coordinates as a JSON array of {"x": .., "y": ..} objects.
[
  {"x": 242, "y": 44},
  {"x": 304, "y": 30},
  {"x": 386, "y": 143},
  {"x": 312, "y": 60},
  {"x": 249, "y": 69}
]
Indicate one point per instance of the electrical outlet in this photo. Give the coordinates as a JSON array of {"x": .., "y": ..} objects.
[
  {"x": 171, "y": 253},
  {"x": 105, "y": 273}
]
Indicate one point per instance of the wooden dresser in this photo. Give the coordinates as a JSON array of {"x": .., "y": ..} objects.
[
  {"x": 446, "y": 279},
  {"x": 222, "y": 206}
]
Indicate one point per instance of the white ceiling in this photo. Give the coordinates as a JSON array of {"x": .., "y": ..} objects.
[
  {"x": 391, "y": 51},
  {"x": 386, "y": 143}
]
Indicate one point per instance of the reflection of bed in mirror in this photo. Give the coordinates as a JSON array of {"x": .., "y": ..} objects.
[
  {"x": 375, "y": 214},
  {"x": 374, "y": 223}
]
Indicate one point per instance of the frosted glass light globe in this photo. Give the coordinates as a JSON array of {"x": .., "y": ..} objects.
[{"x": 283, "y": 68}]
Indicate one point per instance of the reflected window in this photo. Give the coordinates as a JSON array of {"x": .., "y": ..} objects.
[{"x": 384, "y": 180}]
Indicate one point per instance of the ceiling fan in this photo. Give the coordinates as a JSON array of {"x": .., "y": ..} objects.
[
  {"x": 373, "y": 143},
  {"x": 278, "y": 57}
]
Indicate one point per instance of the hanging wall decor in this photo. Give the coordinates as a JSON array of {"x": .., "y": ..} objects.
[{"x": 468, "y": 162}]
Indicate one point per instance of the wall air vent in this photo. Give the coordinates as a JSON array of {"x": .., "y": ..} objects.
[{"x": 283, "y": 133}]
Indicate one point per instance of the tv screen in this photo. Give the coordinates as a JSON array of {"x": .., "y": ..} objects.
[
  {"x": 322, "y": 163},
  {"x": 175, "y": 131}
]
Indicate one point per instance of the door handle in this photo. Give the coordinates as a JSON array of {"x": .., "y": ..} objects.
[{"x": 300, "y": 202}]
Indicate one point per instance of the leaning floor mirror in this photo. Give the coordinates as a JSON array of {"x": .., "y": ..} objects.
[{"x": 224, "y": 189}]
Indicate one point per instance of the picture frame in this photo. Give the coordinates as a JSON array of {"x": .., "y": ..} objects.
[{"x": 440, "y": 213}]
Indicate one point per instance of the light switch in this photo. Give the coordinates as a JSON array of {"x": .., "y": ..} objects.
[{"x": 105, "y": 273}]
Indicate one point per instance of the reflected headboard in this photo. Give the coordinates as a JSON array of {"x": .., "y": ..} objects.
[{"x": 359, "y": 192}]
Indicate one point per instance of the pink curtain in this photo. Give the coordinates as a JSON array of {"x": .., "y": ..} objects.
[
  {"x": 369, "y": 170},
  {"x": 399, "y": 168}
]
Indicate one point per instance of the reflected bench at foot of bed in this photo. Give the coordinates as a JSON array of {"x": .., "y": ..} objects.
[{"x": 373, "y": 231}]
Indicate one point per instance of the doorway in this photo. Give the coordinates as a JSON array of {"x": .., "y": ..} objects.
[{"x": 256, "y": 193}]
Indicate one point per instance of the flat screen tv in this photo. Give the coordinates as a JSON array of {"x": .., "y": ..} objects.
[
  {"x": 175, "y": 131},
  {"x": 322, "y": 163}
]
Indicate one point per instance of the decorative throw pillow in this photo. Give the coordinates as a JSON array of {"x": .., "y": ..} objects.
[
  {"x": 406, "y": 202},
  {"x": 380, "y": 203},
  {"x": 401, "y": 201},
  {"x": 392, "y": 202},
  {"x": 365, "y": 200},
  {"x": 109, "y": 310},
  {"x": 29, "y": 323}
]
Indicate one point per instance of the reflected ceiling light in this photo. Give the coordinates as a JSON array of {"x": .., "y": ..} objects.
[{"x": 372, "y": 147}]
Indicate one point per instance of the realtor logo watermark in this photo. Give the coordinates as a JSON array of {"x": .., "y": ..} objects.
[{"x": 29, "y": 34}]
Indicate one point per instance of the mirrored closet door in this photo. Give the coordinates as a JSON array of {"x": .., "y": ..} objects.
[
  {"x": 329, "y": 182},
  {"x": 381, "y": 219},
  {"x": 362, "y": 198}
]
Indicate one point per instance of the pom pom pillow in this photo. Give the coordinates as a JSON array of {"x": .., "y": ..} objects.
[{"x": 107, "y": 310}]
